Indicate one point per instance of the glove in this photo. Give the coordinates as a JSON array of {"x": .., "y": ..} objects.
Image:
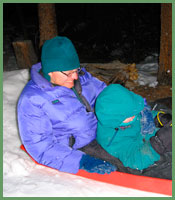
[
  {"x": 95, "y": 165},
  {"x": 162, "y": 141}
]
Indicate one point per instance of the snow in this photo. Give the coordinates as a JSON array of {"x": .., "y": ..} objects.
[
  {"x": 23, "y": 178},
  {"x": 147, "y": 71}
]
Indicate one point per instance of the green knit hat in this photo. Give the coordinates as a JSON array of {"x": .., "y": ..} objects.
[{"x": 58, "y": 54}]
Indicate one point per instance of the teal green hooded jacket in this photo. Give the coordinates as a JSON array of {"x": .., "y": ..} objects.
[{"x": 114, "y": 104}]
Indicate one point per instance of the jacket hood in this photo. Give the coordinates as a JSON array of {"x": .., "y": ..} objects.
[{"x": 116, "y": 103}]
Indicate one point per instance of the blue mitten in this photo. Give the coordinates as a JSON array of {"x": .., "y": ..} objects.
[{"x": 95, "y": 165}]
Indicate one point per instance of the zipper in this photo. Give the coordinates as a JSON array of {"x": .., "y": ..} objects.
[{"x": 110, "y": 142}]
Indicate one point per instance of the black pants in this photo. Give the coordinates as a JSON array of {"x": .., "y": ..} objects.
[{"x": 160, "y": 169}]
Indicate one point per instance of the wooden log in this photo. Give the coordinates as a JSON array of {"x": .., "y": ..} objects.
[
  {"x": 25, "y": 54},
  {"x": 165, "y": 61},
  {"x": 47, "y": 22},
  {"x": 108, "y": 66},
  {"x": 114, "y": 72}
]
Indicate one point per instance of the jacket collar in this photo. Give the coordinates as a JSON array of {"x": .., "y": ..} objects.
[
  {"x": 38, "y": 79},
  {"x": 43, "y": 83}
]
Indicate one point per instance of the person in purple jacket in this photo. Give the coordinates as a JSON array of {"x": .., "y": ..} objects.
[{"x": 56, "y": 111}]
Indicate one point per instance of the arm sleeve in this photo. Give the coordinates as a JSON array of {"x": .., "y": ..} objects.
[{"x": 37, "y": 137}]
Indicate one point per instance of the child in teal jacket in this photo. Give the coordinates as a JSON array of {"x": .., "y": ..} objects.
[{"x": 125, "y": 126}]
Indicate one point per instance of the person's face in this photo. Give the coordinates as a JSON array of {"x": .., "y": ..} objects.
[
  {"x": 128, "y": 119},
  {"x": 65, "y": 78}
]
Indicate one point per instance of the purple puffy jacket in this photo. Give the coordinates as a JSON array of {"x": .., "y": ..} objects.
[{"x": 48, "y": 116}]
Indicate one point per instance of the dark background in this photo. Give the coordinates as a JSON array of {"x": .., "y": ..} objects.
[{"x": 100, "y": 32}]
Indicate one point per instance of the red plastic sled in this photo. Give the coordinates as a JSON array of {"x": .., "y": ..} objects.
[{"x": 148, "y": 184}]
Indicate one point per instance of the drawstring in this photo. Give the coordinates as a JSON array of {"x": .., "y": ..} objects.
[{"x": 158, "y": 118}]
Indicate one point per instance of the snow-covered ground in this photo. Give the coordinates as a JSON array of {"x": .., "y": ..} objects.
[{"x": 23, "y": 178}]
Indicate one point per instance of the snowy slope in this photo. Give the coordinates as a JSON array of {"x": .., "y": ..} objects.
[{"x": 23, "y": 178}]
